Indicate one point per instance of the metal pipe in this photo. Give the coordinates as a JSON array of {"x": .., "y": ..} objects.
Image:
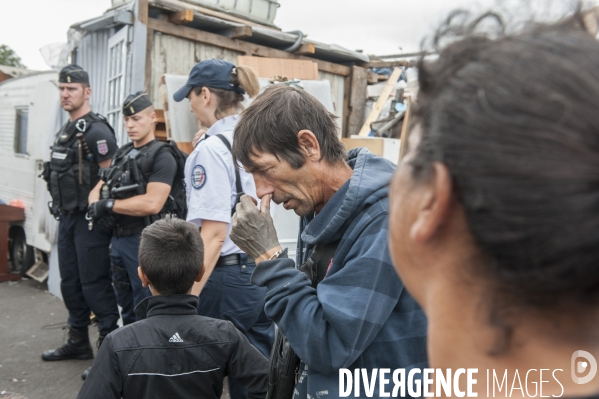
[{"x": 298, "y": 42}]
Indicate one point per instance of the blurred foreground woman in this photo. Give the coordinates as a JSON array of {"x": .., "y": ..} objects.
[{"x": 494, "y": 223}]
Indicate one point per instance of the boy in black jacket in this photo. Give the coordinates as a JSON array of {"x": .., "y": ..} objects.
[{"x": 173, "y": 352}]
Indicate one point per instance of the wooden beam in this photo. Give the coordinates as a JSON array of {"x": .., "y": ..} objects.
[
  {"x": 378, "y": 106},
  {"x": 269, "y": 67},
  {"x": 239, "y": 32},
  {"x": 239, "y": 45},
  {"x": 148, "y": 66},
  {"x": 306, "y": 48},
  {"x": 387, "y": 64},
  {"x": 206, "y": 11},
  {"x": 181, "y": 17},
  {"x": 373, "y": 78},
  {"x": 142, "y": 11},
  {"x": 345, "y": 110},
  {"x": 357, "y": 100}
]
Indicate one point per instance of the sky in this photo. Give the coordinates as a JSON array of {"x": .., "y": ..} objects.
[{"x": 377, "y": 27}]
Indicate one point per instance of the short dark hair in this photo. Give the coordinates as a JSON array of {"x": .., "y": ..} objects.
[
  {"x": 171, "y": 255},
  {"x": 514, "y": 119},
  {"x": 271, "y": 124}
]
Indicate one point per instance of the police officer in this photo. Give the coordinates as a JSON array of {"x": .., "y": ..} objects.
[
  {"x": 83, "y": 145},
  {"x": 215, "y": 89},
  {"x": 140, "y": 185}
]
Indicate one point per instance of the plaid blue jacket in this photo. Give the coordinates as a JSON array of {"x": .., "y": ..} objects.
[{"x": 360, "y": 316}]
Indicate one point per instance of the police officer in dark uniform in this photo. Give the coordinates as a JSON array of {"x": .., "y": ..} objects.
[
  {"x": 144, "y": 182},
  {"x": 84, "y": 145}
]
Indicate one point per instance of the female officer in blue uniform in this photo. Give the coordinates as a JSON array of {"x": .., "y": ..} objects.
[{"x": 215, "y": 89}]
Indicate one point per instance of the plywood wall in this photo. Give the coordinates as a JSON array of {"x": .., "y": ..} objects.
[{"x": 177, "y": 56}]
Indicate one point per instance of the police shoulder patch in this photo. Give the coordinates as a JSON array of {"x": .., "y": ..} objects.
[
  {"x": 198, "y": 177},
  {"x": 102, "y": 147}
]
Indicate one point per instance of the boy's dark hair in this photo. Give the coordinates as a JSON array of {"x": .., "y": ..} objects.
[
  {"x": 271, "y": 124},
  {"x": 171, "y": 255},
  {"x": 514, "y": 119}
]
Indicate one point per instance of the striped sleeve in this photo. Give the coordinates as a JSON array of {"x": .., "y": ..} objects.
[{"x": 330, "y": 327}]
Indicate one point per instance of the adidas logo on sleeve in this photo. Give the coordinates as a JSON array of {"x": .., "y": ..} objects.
[{"x": 175, "y": 338}]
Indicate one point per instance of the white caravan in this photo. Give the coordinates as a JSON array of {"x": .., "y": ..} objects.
[{"x": 30, "y": 116}]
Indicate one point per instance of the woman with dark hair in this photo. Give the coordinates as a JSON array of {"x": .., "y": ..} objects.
[
  {"x": 494, "y": 219},
  {"x": 214, "y": 183}
]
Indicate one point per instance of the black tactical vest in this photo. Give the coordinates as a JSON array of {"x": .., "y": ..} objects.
[
  {"x": 128, "y": 176},
  {"x": 72, "y": 171}
]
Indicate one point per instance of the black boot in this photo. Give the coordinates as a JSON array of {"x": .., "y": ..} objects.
[
  {"x": 86, "y": 372},
  {"x": 77, "y": 347}
]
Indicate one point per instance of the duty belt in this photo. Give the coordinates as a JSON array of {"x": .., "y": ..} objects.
[
  {"x": 121, "y": 232},
  {"x": 232, "y": 260}
]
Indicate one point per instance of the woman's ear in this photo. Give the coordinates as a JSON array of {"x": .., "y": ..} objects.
[
  {"x": 434, "y": 205},
  {"x": 309, "y": 144},
  {"x": 206, "y": 96}
]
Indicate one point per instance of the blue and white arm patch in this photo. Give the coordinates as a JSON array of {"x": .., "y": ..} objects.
[{"x": 198, "y": 177}]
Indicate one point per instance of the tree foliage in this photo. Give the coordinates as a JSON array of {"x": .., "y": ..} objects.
[{"x": 9, "y": 57}]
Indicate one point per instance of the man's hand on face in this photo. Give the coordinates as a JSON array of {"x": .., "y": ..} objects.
[{"x": 253, "y": 229}]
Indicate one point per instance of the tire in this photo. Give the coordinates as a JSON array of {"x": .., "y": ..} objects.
[{"x": 21, "y": 255}]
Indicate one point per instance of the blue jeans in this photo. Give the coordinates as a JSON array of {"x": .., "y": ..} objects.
[
  {"x": 229, "y": 295},
  {"x": 127, "y": 285}
]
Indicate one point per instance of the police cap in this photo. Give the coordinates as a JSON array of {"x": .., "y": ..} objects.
[
  {"x": 73, "y": 74},
  {"x": 209, "y": 73},
  {"x": 135, "y": 103}
]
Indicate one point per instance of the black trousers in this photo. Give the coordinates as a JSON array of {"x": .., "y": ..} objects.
[
  {"x": 84, "y": 264},
  {"x": 229, "y": 295}
]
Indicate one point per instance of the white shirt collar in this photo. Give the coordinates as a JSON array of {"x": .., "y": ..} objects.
[{"x": 221, "y": 125}]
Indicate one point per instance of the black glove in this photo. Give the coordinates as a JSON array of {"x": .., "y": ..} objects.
[
  {"x": 100, "y": 208},
  {"x": 108, "y": 222}
]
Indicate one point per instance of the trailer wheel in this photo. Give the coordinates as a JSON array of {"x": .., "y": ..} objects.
[{"x": 21, "y": 255}]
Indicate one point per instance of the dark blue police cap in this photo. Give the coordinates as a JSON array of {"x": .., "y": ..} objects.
[
  {"x": 209, "y": 73},
  {"x": 135, "y": 103},
  {"x": 73, "y": 74}
]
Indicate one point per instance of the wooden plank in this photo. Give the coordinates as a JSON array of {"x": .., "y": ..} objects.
[
  {"x": 238, "y": 32},
  {"x": 142, "y": 11},
  {"x": 164, "y": 102},
  {"x": 269, "y": 67},
  {"x": 374, "y": 145},
  {"x": 148, "y": 66},
  {"x": 159, "y": 115},
  {"x": 405, "y": 129},
  {"x": 306, "y": 48},
  {"x": 345, "y": 109},
  {"x": 372, "y": 78},
  {"x": 388, "y": 64},
  {"x": 240, "y": 46},
  {"x": 357, "y": 100},
  {"x": 206, "y": 11},
  {"x": 181, "y": 17},
  {"x": 378, "y": 107}
]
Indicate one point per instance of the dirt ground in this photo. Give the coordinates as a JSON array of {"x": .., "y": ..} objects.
[{"x": 30, "y": 322}]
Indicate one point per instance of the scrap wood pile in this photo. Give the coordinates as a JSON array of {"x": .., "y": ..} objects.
[{"x": 391, "y": 87}]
